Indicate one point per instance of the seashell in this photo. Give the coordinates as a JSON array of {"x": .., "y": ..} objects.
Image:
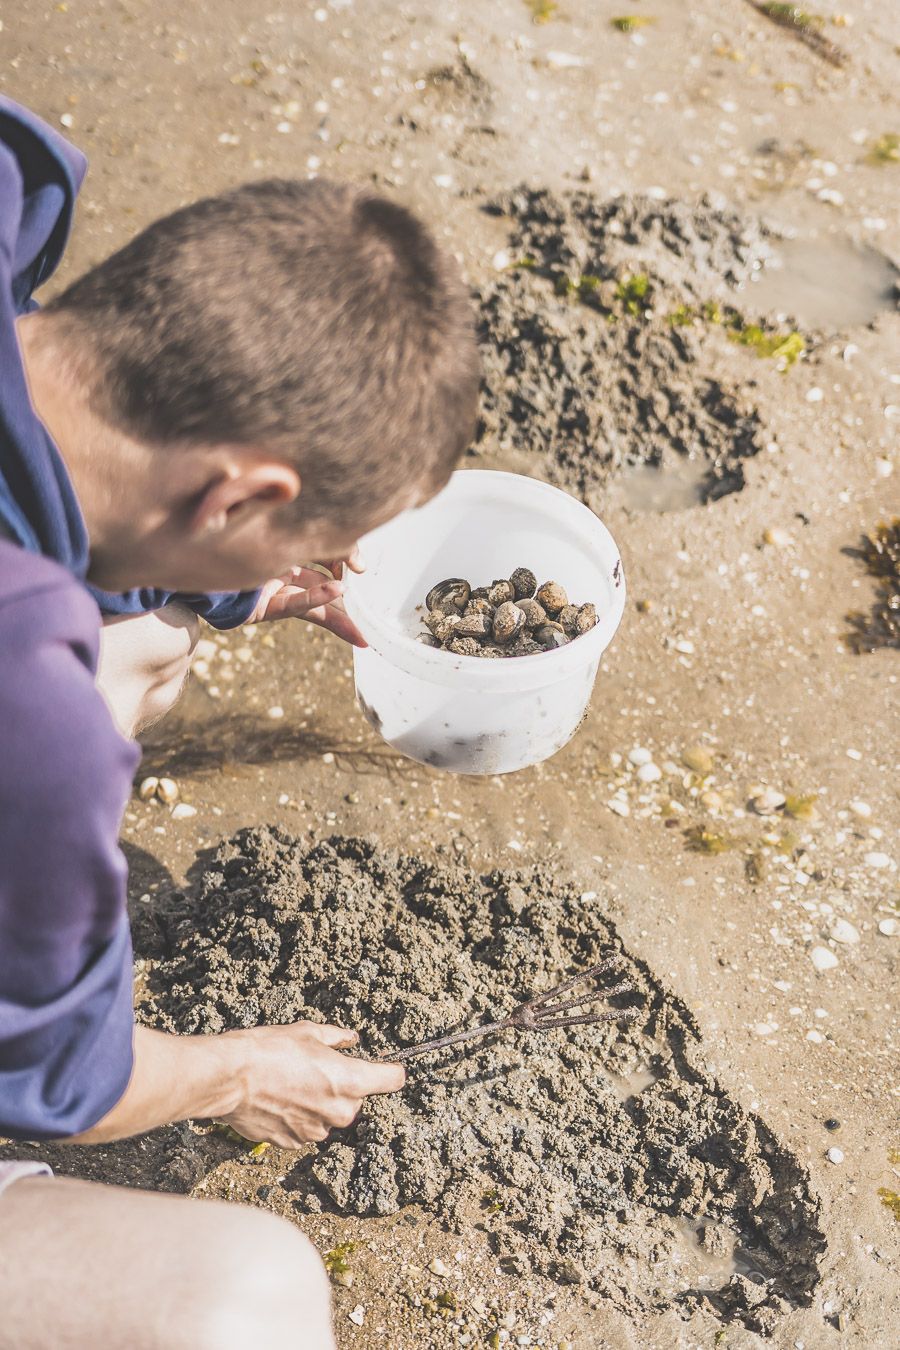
[
  {"x": 524, "y": 583},
  {"x": 167, "y": 791},
  {"x": 428, "y": 640},
  {"x": 500, "y": 592},
  {"x": 473, "y": 626},
  {"x": 535, "y": 614},
  {"x": 148, "y": 788},
  {"x": 509, "y": 621},
  {"x": 552, "y": 596},
  {"x": 567, "y": 616},
  {"x": 585, "y": 619},
  {"x": 450, "y": 596},
  {"x": 549, "y": 636},
  {"x": 479, "y": 604},
  {"x": 442, "y": 625},
  {"x": 524, "y": 645},
  {"x": 463, "y": 646}
]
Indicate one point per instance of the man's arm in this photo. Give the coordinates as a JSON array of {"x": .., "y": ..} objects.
[{"x": 287, "y": 1084}]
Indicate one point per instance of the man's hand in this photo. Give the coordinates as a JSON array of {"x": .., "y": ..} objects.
[
  {"x": 307, "y": 593},
  {"x": 296, "y": 1086},
  {"x": 289, "y": 1084}
]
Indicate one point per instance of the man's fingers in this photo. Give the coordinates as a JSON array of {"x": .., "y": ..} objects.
[
  {"x": 339, "y": 1038},
  {"x": 338, "y": 622},
  {"x": 371, "y": 1079}
]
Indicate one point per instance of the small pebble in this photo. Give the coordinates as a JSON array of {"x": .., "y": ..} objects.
[
  {"x": 835, "y": 1155},
  {"x": 843, "y": 931},
  {"x": 861, "y": 809},
  {"x": 823, "y": 959},
  {"x": 275, "y": 712},
  {"x": 765, "y": 1028},
  {"x": 328, "y": 757},
  {"x": 778, "y": 538},
  {"x": 182, "y": 811},
  {"x": 685, "y": 646},
  {"x": 357, "y": 1315},
  {"x": 437, "y": 1267},
  {"x": 768, "y": 802},
  {"x": 619, "y": 807},
  {"x": 167, "y": 791},
  {"x": 832, "y": 1124},
  {"x": 877, "y": 860},
  {"x": 649, "y": 773},
  {"x": 888, "y": 927},
  {"x": 815, "y": 1036},
  {"x": 698, "y": 758},
  {"x": 639, "y": 756}
]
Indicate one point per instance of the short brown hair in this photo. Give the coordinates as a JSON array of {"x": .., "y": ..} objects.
[{"x": 309, "y": 318}]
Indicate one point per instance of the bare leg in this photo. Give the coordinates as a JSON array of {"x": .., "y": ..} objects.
[
  {"x": 84, "y": 1265},
  {"x": 144, "y": 662}
]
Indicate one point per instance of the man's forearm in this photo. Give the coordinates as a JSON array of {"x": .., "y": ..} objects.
[{"x": 174, "y": 1078}]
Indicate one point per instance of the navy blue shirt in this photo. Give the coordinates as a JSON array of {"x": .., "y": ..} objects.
[
  {"x": 66, "y": 978},
  {"x": 40, "y": 174}
]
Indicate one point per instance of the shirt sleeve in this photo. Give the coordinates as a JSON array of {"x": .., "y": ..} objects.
[
  {"x": 221, "y": 609},
  {"x": 66, "y": 983}
]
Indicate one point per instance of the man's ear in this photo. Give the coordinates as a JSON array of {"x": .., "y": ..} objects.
[{"x": 240, "y": 490}]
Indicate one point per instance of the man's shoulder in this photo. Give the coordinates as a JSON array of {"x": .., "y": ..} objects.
[{"x": 41, "y": 601}]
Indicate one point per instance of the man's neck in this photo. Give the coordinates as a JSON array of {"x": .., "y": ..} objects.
[{"x": 107, "y": 469}]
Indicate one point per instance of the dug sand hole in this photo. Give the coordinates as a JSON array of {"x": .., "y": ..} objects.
[{"x": 606, "y": 1156}]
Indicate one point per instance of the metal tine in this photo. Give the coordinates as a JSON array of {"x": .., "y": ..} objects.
[
  {"x": 614, "y": 1015},
  {"x": 570, "y": 983},
  {"x": 591, "y": 996}
]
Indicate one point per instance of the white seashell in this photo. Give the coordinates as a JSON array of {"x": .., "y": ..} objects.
[
  {"x": 823, "y": 959},
  {"x": 167, "y": 791},
  {"x": 148, "y": 788}
]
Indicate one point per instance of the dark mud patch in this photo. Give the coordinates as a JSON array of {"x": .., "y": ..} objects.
[
  {"x": 602, "y": 342},
  {"x": 604, "y": 1156}
]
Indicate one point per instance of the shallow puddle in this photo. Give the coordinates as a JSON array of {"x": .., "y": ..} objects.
[
  {"x": 713, "y": 1254},
  {"x": 648, "y": 487},
  {"x": 824, "y": 283}
]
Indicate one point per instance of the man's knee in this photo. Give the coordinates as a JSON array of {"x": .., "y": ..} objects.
[
  {"x": 144, "y": 662},
  {"x": 262, "y": 1283}
]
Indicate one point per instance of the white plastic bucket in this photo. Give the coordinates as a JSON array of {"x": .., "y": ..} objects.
[{"x": 464, "y": 713}]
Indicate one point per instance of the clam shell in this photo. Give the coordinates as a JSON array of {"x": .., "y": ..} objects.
[
  {"x": 509, "y": 621},
  {"x": 586, "y": 619},
  {"x": 450, "y": 596},
  {"x": 523, "y": 582},
  {"x": 549, "y": 636},
  {"x": 500, "y": 592},
  {"x": 552, "y": 596},
  {"x": 473, "y": 626},
  {"x": 535, "y": 614}
]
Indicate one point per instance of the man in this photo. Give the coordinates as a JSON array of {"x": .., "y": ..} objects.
[{"x": 255, "y": 380}]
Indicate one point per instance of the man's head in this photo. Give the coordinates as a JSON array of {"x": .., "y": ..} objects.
[{"x": 298, "y": 357}]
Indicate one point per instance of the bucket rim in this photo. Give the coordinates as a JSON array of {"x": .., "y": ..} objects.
[{"x": 539, "y": 670}]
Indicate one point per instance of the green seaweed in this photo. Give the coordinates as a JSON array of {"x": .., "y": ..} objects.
[
  {"x": 801, "y": 806},
  {"x": 701, "y": 840},
  {"x": 630, "y": 23},
  {"x": 542, "y": 11},
  {"x": 337, "y": 1262},
  {"x": 891, "y": 1201},
  {"x": 886, "y": 150},
  {"x": 792, "y": 16},
  {"x": 633, "y": 293},
  {"x": 682, "y": 315},
  {"x": 786, "y": 348}
]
